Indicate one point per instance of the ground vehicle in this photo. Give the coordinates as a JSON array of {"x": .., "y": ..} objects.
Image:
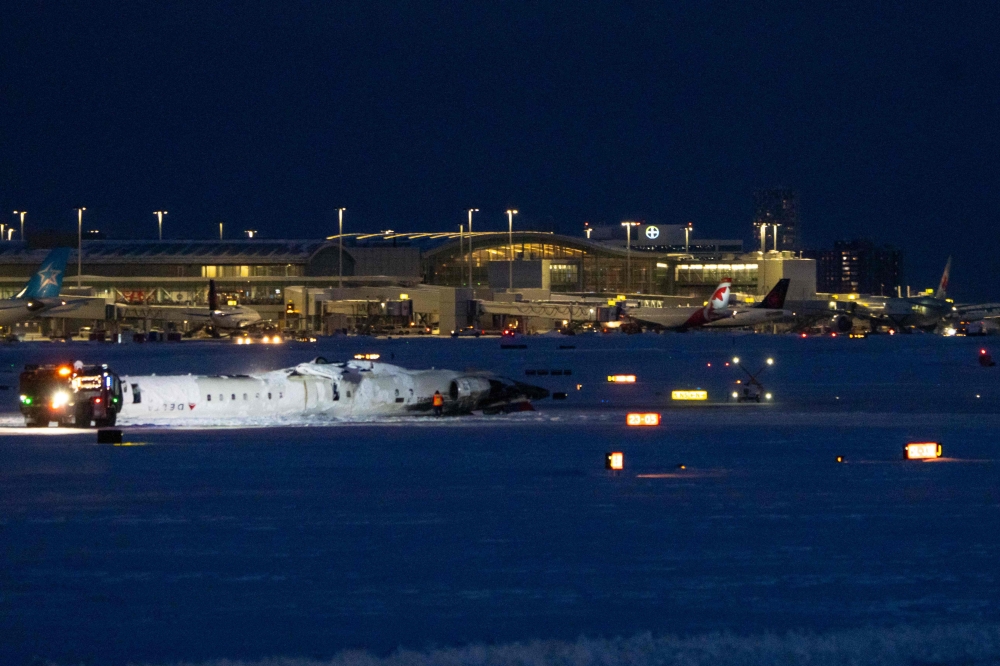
[{"x": 74, "y": 395}]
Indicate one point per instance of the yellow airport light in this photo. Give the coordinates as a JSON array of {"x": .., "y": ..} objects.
[
  {"x": 689, "y": 395},
  {"x": 923, "y": 450},
  {"x": 841, "y": 459},
  {"x": 621, "y": 379},
  {"x": 367, "y": 357},
  {"x": 614, "y": 461},
  {"x": 641, "y": 419}
]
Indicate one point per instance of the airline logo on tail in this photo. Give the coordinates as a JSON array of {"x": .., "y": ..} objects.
[
  {"x": 47, "y": 282},
  {"x": 942, "y": 290},
  {"x": 775, "y": 299},
  {"x": 716, "y": 308}
]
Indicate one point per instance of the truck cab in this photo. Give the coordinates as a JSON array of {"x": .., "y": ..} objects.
[{"x": 70, "y": 394}]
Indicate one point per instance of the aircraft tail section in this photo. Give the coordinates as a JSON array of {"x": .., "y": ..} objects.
[
  {"x": 720, "y": 297},
  {"x": 716, "y": 308},
  {"x": 47, "y": 281},
  {"x": 775, "y": 299},
  {"x": 942, "y": 290},
  {"x": 213, "y": 296}
]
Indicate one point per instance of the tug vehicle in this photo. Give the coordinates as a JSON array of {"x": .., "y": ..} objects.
[{"x": 71, "y": 395}]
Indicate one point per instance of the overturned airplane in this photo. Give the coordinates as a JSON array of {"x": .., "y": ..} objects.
[{"x": 355, "y": 389}]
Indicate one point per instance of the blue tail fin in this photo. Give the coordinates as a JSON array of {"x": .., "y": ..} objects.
[{"x": 47, "y": 281}]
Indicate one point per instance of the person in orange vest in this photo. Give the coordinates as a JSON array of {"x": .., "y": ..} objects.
[{"x": 438, "y": 403}]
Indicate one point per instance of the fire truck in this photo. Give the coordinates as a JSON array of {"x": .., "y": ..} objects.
[{"x": 70, "y": 394}]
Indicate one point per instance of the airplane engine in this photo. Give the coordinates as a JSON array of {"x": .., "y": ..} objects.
[
  {"x": 468, "y": 390},
  {"x": 843, "y": 324}
]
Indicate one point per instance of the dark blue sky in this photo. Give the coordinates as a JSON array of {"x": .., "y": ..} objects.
[{"x": 270, "y": 115}]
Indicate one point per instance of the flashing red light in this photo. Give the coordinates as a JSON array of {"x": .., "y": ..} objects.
[
  {"x": 803, "y": 335},
  {"x": 710, "y": 365},
  {"x": 833, "y": 335},
  {"x": 982, "y": 351},
  {"x": 97, "y": 401}
]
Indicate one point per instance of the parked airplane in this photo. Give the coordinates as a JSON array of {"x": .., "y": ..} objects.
[
  {"x": 319, "y": 388},
  {"x": 227, "y": 318},
  {"x": 682, "y": 319},
  {"x": 40, "y": 294},
  {"x": 925, "y": 312},
  {"x": 770, "y": 309}
]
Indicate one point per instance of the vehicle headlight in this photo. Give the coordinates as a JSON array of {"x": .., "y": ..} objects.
[{"x": 60, "y": 399}]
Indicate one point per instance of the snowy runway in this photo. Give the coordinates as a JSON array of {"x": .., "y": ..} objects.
[{"x": 244, "y": 542}]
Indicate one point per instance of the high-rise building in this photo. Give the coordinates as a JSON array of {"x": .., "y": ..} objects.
[
  {"x": 777, "y": 206},
  {"x": 860, "y": 267}
]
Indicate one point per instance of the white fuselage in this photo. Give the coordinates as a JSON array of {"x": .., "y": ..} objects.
[
  {"x": 16, "y": 310},
  {"x": 750, "y": 317},
  {"x": 229, "y": 318},
  {"x": 338, "y": 391}
]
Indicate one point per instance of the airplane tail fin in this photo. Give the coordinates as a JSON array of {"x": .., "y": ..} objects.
[
  {"x": 942, "y": 290},
  {"x": 775, "y": 299},
  {"x": 720, "y": 297},
  {"x": 213, "y": 296},
  {"x": 47, "y": 281}
]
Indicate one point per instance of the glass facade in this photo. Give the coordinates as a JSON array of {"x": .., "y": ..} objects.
[{"x": 236, "y": 271}]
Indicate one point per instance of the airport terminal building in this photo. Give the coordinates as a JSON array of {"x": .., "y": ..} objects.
[{"x": 280, "y": 277}]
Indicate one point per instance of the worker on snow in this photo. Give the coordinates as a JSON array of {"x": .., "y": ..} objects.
[{"x": 438, "y": 403}]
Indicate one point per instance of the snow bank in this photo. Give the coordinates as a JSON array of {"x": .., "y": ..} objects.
[{"x": 904, "y": 645}]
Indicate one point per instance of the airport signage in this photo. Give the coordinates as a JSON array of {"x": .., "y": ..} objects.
[
  {"x": 636, "y": 419},
  {"x": 614, "y": 461},
  {"x": 621, "y": 379},
  {"x": 689, "y": 395},
  {"x": 923, "y": 450}
]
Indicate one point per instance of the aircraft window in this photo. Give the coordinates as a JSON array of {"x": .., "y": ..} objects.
[
  {"x": 256, "y": 396},
  {"x": 280, "y": 395},
  {"x": 244, "y": 396},
  {"x": 348, "y": 394},
  {"x": 210, "y": 397},
  {"x": 136, "y": 394},
  {"x": 268, "y": 396},
  {"x": 220, "y": 397},
  {"x": 234, "y": 397}
]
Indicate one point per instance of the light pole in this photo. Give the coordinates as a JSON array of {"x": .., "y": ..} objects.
[
  {"x": 340, "y": 239},
  {"x": 628, "y": 253},
  {"x": 763, "y": 238},
  {"x": 220, "y": 230},
  {"x": 22, "y": 213},
  {"x": 461, "y": 246},
  {"x": 687, "y": 236},
  {"x": 776, "y": 237},
  {"x": 79, "y": 244},
  {"x": 159, "y": 221},
  {"x": 510, "y": 239},
  {"x": 470, "y": 212}
]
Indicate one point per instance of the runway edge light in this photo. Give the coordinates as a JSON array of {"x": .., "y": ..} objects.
[
  {"x": 642, "y": 419},
  {"x": 922, "y": 450},
  {"x": 614, "y": 461}
]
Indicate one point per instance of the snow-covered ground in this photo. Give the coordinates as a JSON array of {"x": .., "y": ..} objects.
[{"x": 439, "y": 534}]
